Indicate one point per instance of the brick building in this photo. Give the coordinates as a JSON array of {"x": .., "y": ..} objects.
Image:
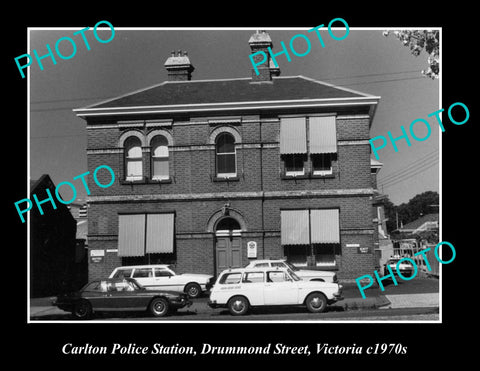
[{"x": 206, "y": 167}]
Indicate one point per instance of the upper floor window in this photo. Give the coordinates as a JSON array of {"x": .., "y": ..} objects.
[
  {"x": 133, "y": 159},
  {"x": 160, "y": 158},
  {"x": 226, "y": 155},
  {"x": 322, "y": 164},
  {"x": 294, "y": 164}
]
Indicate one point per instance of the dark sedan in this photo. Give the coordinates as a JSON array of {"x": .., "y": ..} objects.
[{"x": 120, "y": 294}]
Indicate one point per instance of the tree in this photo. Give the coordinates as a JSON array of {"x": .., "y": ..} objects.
[
  {"x": 418, "y": 40},
  {"x": 421, "y": 204}
]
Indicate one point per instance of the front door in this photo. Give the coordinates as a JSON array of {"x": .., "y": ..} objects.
[{"x": 228, "y": 253}]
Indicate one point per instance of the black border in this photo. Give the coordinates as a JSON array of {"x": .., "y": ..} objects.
[{"x": 426, "y": 343}]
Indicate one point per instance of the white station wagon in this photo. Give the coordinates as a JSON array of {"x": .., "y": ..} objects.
[
  {"x": 241, "y": 288},
  {"x": 161, "y": 276},
  {"x": 304, "y": 274}
]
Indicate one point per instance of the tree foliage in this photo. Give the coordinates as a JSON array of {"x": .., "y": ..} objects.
[
  {"x": 421, "y": 204},
  {"x": 419, "y": 40}
]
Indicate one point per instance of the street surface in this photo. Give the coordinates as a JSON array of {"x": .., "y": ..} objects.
[{"x": 405, "y": 303}]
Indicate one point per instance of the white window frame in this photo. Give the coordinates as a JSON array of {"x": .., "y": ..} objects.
[
  {"x": 159, "y": 158},
  {"x": 217, "y": 173}
]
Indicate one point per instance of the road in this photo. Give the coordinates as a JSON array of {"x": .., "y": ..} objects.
[{"x": 199, "y": 311}]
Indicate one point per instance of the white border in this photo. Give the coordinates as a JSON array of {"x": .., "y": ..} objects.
[{"x": 306, "y": 322}]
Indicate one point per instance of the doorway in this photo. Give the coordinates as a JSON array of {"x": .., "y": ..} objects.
[{"x": 228, "y": 244}]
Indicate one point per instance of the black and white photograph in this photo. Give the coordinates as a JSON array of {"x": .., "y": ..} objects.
[
  {"x": 234, "y": 167},
  {"x": 295, "y": 179}
]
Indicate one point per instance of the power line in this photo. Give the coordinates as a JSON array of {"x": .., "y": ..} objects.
[
  {"x": 322, "y": 79},
  {"x": 409, "y": 166},
  {"x": 404, "y": 178},
  {"x": 413, "y": 169}
]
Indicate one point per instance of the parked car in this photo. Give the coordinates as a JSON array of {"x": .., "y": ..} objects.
[
  {"x": 304, "y": 274},
  {"x": 110, "y": 295},
  {"x": 242, "y": 288},
  {"x": 405, "y": 267},
  {"x": 157, "y": 276}
]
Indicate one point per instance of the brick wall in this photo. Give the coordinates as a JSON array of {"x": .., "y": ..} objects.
[{"x": 192, "y": 170}]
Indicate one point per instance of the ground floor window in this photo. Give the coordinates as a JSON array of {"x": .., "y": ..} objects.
[
  {"x": 310, "y": 236},
  {"x": 150, "y": 259},
  {"x": 325, "y": 253},
  {"x": 317, "y": 254}
]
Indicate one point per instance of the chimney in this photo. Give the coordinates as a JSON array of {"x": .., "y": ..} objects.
[
  {"x": 261, "y": 41},
  {"x": 179, "y": 67}
]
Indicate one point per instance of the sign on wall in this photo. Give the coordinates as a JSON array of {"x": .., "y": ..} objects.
[
  {"x": 251, "y": 249},
  {"x": 97, "y": 256}
]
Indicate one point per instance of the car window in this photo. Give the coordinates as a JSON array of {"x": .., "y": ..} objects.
[
  {"x": 92, "y": 286},
  {"x": 142, "y": 273},
  {"x": 230, "y": 278},
  {"x": 277, "y": 276},
  {"x": 162, "y": 272},
  {"x": 123, "y": 273},
  {"x": 120, "y": 286},
  {"x": 278, "y": 264},
  {"x": 253, "y": 277},
  {"x": 258, "y": 265}
]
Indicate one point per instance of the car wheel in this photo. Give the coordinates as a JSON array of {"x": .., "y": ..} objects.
[
  {"x": 193, "y": 290},
  {"x": 238, "y": 305},
  {"x": 82, "y": 310},
  {"x": 316, "y": 302},
  {"x": 159, "y": 307}
]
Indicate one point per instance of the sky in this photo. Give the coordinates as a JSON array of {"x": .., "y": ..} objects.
[{"x": 365, "y": 61}]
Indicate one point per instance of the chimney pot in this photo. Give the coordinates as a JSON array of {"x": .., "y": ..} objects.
[{"x": 179, "y": 67}]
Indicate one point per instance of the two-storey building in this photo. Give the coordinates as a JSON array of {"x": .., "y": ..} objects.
[{"x": 213, "y": 173}]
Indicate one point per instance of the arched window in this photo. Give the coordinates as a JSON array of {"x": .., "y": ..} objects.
[
  {"x": 159, "y": 151},
  {"x": 226, "y": 156},
  {"x": 133, "y": 159}
]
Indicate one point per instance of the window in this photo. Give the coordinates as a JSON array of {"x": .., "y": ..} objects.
[
  {"x": 122, "y": 273},
  {"x": 324, "y": 254},
  {"x": 160, "y": 164},
  {"x": 294, "y": 164},
  {"x": 260, "y": 265},
  {"x": 322, "y": 164},
  {"x": 230, "y": 278},
  {"x": 308, "y": 143},
  {"x": 142, "y": 273},
  {"x": 253, "y": 277},
  {"x": 226, "y": 156},
  {"x": 310, "y": 236},
  {"x": 277, "y": 276},
  {"x": 133, "y": 159},
  {"x": 161, "y": 272}
]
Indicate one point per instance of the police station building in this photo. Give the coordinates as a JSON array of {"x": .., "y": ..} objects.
[{"x": 211, "y": 174}]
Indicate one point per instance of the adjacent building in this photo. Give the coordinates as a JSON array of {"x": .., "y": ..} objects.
[
  {"x": 53, "y": 264},
  {"x": 213, "y": 173}
]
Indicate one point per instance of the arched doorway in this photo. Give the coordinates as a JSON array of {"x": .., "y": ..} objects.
[{"x": 228, "y": 244}]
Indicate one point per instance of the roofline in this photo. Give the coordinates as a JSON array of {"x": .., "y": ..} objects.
[
  {"x": 364, "y": 99},
  {"x": 228, "y": 106}
]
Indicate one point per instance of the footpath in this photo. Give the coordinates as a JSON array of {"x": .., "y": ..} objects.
[{"x": 420, "y": 294}]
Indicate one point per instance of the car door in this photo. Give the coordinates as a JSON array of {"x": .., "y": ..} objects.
[
  {"x": 253, "y": 287},
  {"x": 144, "y": 276},
  {"x": 100, "y": 296},
  {"x": 280, "y": 289},
  {"x": 166, "y": 280},
  {"x": 125, "y": 295}
]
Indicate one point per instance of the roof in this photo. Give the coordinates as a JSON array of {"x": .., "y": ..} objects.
[
  {"x": 194, "y": 95},
  {"x": 425, "y": 222}
]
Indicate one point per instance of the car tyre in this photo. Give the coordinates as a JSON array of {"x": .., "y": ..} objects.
[
  {"x": 193, "y": 290},
  {"x": 316, "y": 302},
  {"x": 82, "y": 309},
  {"x": 238, "y": 305},
  {"x": 159, "y": 307}
]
